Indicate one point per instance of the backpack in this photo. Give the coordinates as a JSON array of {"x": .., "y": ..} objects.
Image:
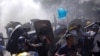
[{"x": 88, "y": 43}]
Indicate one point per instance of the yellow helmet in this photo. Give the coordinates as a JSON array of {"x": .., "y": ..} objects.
[
  {"x": 24, "y": 54},
  {"x": 72, "y": 27},
  {"x": 88, "y": 22}
]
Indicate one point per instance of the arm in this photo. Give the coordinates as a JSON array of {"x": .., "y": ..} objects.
[{"x": 48, "y": 41}]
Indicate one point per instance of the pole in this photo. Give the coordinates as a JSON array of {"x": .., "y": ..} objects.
[{"x": 55, "y": 21}]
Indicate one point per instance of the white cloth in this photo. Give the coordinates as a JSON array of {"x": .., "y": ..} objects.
[
  {"x": 90, "y": 33},
  {"x": 74, "y": 32}
]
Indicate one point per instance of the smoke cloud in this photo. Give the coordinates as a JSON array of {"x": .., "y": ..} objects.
[
  {"x": 20, "y": 11},
  {"x": 24, "y": 10}
]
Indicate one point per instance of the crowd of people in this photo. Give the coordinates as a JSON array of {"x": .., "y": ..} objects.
[
  {"x": 80, "y": 41},
  {"x": 77, "y": 41}
]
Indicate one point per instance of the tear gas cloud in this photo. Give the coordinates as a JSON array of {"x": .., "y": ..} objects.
[{"x": 24, "y": 10}]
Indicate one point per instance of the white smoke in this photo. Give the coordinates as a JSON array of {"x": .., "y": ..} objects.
[
  {"x": 20, "y": 11},
  {"x": 96, "y": 2}
]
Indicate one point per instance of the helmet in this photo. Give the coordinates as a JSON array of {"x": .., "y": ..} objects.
[
  {"x": 69, "y": 36},
  {"x": 95, "y": 26},
  {"x": 88, "y": 22}
]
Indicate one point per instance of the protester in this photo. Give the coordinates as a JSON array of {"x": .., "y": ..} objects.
[
  {"x": 96, "y": 49},
  {"x": 18, "y": 42},
  {"x": 69, "y": 49},
  {"x": 41, "y": 44}
]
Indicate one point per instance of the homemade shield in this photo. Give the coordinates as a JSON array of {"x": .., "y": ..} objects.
[
  {"x": 45, "y": 27},
  {"x": 12, "y": 42}
]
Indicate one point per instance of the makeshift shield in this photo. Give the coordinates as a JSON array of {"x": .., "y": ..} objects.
[
  {"x": 43, "y": 27},
  {"x": 12, "y": 42}
]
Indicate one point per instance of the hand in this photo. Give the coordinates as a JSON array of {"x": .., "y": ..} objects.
[
  {"x": 63, "y": 55},
  {"x": 60, "y": 55},
  {"x": 44, "y": 37}
]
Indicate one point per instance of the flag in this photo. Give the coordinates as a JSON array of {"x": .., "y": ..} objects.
[{"x": 62, "y": 13}]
